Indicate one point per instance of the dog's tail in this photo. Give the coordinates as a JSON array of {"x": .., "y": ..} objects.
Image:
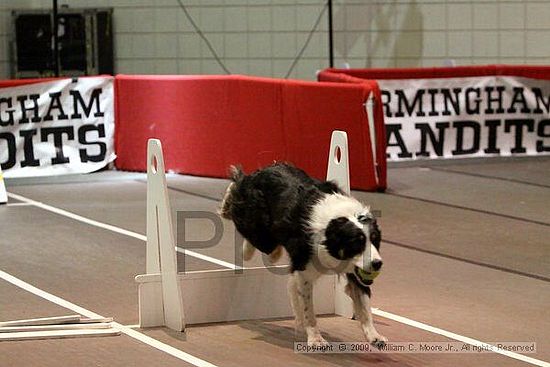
[{"x": 236, "y": 175}]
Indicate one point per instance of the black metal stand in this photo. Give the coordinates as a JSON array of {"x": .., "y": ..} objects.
[
  {"x": 330, "y": 35},
  {"x": 55, "y": 39}
]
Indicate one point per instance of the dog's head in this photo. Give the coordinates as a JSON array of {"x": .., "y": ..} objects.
[
  {"x": 356, "y": 239},
  {"x": 351, "y": 239}
]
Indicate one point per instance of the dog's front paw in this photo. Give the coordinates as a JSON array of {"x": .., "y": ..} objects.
[
  {"x": 377, "y": 340},
  {"x": 316, "y": 341}
]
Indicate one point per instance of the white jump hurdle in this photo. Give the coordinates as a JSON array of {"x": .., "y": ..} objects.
[
  {"x": 3, "y": 193},
  {"x": 369, "y": 108},
  {"x": 338, "y": 171},
  {"x": 160, "y": 302},
  {"x": 168, "y": 298}
]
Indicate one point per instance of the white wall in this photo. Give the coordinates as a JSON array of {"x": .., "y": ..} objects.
[
  {"x": 425, "y": 33},
  {"x": 261, "y": 37}
]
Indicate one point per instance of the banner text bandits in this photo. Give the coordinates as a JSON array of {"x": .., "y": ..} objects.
[
  {"x": 26, "y": 107},
  {"x": 474, "y": 102}
]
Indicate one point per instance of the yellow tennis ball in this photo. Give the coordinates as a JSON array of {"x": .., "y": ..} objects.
[{"x": 366, "y": 276}]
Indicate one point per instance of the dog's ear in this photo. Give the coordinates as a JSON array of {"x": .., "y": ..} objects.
[
  {"x": 329, "y": 187},
  {"x": 344, "y": 240}
]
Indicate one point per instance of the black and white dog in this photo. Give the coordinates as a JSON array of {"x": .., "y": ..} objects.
[{"x": 322, "y": 230}]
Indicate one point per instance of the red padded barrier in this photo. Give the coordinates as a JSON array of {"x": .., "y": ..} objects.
[
  {"x": 17, "y": 82},
  {"x": 207, "y": 123},
  {"x": 526, "y": 71}
]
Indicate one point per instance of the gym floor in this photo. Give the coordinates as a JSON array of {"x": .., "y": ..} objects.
[{"x": 466, "y": 248}]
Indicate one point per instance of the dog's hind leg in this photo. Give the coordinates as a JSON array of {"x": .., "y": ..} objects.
[
  {"x": 296, "y": 303},
  {"x": 248, "y": 250},
  {"x": 305, "y": 295},
  {"x": 362, "y": 311}
]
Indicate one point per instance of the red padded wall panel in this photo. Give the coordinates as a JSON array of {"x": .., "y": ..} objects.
[{"x": 207, "y": 123}]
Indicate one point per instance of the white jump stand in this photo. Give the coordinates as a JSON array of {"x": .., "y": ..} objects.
[
  {"x": 3, "y": 193},
  {"x": 221, "y": 295},
  {"x": 369, "y": 107},
  {"x": 338, "y": 171},
  {"x": 160, "y": 303}
]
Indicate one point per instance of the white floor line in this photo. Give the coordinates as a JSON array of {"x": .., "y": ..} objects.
[
  {"x": 239, "y": 268},
  {"x": 115, "y": 229},
  {"x": 381, "y": 313},
  {"x": 133, "y": 326},
  {"x": 123, "y": 329},
  {"x": 197, "y": 255},
  {"x": 18, "y": 204},
  {"x": 461, "y": 338}
]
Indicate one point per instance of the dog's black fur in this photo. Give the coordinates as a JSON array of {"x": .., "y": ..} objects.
[
  {"x": 281, "y": 205},
  {"x": 271, "y": 206}
]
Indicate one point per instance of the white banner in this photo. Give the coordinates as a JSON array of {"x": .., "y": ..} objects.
[
  {"x": 466, "y": 117},
  {"x": 58, "y": 127}
]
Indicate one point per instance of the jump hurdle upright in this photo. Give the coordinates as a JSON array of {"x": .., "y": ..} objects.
[
  {"x": 338, "y": 171},
  {"x": 3, "y": 193},
  {"x": 160, "y": 303},
  {"x": 172, "y": 299}
]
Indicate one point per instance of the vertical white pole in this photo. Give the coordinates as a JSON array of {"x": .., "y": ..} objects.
[
  {"x": 161, "y": 252},
  {"x": 338, "y": 171},
  {"x": 3, "y": 193},
  {"x": 369, "y": 107}
]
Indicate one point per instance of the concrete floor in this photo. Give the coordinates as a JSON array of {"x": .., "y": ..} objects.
[{"x": 466, "y": 248}]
